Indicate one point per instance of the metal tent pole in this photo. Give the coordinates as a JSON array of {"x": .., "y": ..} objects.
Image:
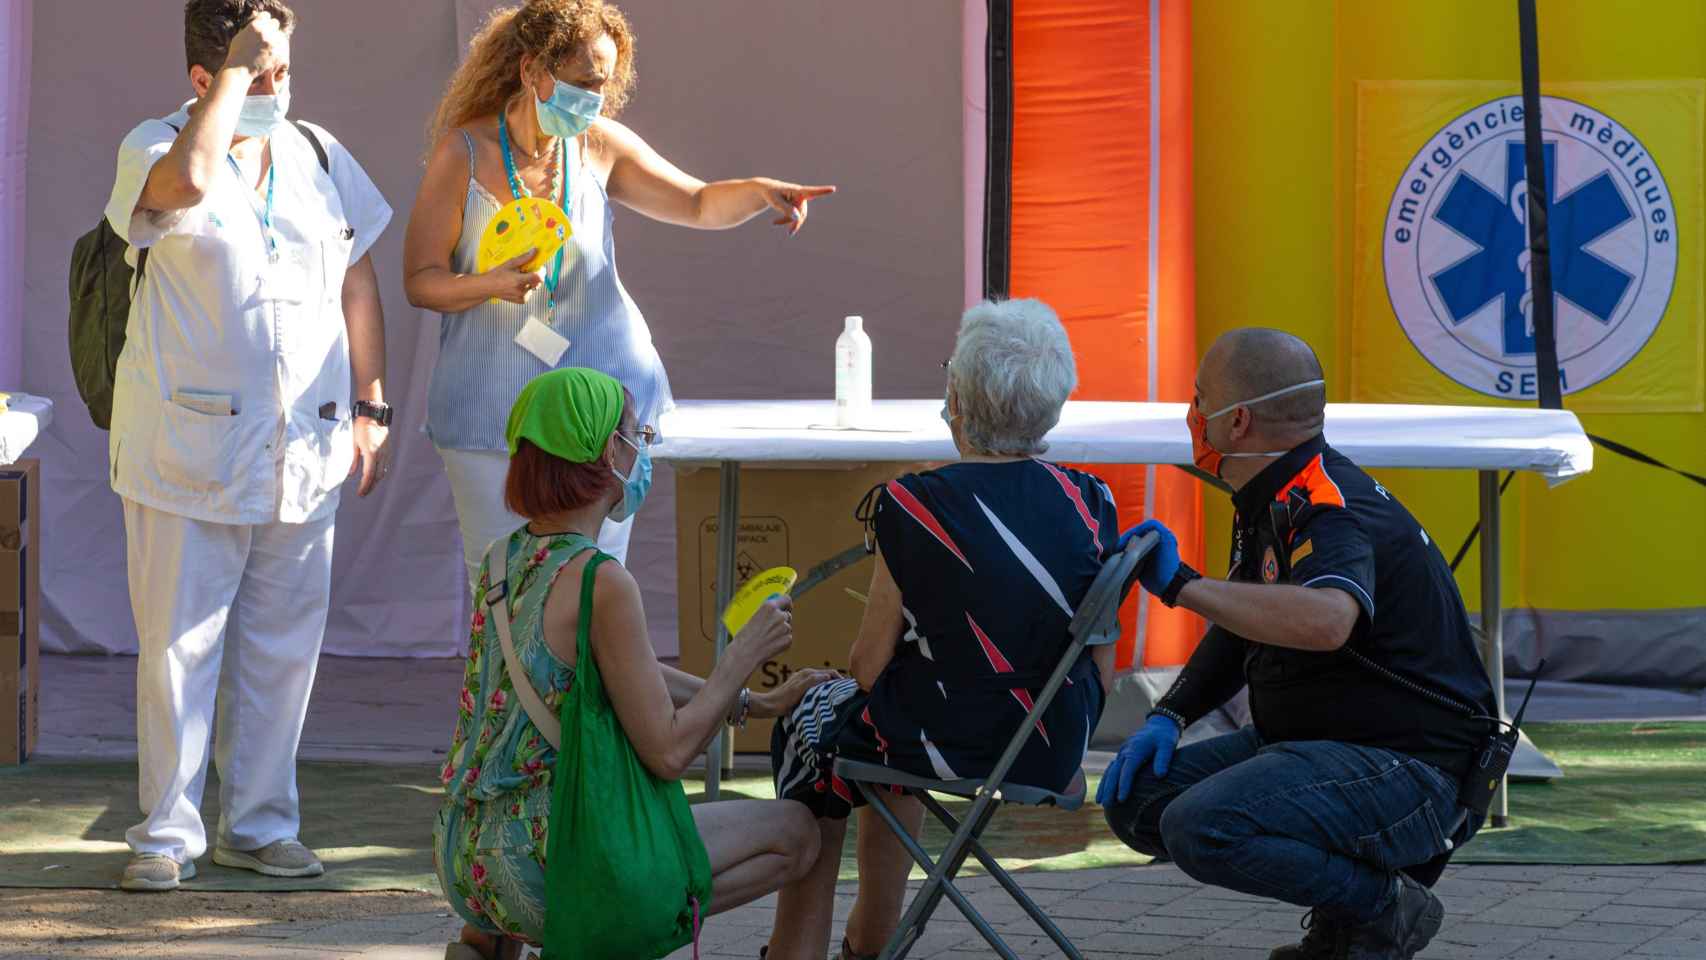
[{"x": 1492, "y": 617}]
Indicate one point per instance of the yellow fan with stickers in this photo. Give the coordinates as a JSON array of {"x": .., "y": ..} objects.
[
  {"x": 520, "y": 225},
  {"x": 776, "y": 581}
]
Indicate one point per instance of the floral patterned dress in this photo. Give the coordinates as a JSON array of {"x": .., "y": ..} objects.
[{"x": 489, "y": 840}]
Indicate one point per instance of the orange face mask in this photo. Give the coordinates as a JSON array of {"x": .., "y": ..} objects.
[{"x": 1203, "y": 453}]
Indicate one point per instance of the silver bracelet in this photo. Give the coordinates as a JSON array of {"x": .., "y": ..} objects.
[
  {"x": 743, "y": 707},
  {"x": 1172, "y": 715}
]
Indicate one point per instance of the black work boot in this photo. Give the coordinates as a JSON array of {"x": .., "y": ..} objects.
[
  {"x": 1322, "y": 940},
  {"x": 1403, "y": 930}
]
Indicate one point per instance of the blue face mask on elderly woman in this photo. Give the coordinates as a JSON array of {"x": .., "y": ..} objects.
[
  {"x": 635, "y": 485},
  {"x": 569, "y": 111}
]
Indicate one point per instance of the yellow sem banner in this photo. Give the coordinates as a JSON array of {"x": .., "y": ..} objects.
[{"x": 1442, "y": 284}]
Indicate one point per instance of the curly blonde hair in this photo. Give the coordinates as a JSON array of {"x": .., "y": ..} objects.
[{"x": 553, "y": 30}]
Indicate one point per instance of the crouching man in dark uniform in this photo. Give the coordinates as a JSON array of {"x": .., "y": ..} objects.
[{"x": 1367, "y": 695}]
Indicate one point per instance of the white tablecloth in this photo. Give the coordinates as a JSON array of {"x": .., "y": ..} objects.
[
  {"x": 1548, "y": 442},
  {"x": 27, "y": 417}
]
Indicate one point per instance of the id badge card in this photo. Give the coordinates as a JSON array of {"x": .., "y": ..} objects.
[{"x": 543, "y": 342}]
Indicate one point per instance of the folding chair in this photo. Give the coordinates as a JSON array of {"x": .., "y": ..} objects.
[{"x": 1095, "y": 623}]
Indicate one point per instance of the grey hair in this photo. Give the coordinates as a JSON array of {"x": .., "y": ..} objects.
[{"x": 1011, "y": 371}]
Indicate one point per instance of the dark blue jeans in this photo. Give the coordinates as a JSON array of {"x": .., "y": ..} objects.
[{"x": 1319, "y": 823}]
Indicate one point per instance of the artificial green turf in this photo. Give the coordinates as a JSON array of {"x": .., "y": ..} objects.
[{"x": 1632, "y": 793}]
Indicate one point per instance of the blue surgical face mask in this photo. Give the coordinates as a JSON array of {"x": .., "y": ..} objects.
[
  {"x": 569, "y": 111},
  {"x": 635, "y": 485},
  {"x": 262, "y": 114}
]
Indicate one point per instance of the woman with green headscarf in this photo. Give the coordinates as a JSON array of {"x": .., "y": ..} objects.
[{"x": 577, "y": 457}]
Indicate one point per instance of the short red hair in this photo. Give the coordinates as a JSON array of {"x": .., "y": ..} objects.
[{"x": 541, "y": 484}]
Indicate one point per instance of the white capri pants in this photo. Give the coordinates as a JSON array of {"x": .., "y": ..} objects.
[{"x": 477, "y": 485}]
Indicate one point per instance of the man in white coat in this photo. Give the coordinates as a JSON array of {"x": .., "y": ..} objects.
[{"x": 233, "y": 429}]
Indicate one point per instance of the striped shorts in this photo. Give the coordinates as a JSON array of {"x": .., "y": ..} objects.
[{"x": 831, "y": 721}]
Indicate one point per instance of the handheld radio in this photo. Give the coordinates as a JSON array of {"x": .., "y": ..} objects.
[{"x": 1488, "y": 767}]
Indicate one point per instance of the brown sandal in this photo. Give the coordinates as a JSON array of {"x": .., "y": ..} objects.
[{"x": 846, "y": 952}]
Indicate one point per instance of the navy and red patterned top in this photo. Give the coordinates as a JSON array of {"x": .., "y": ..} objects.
[{"x": 991, "y": 560}]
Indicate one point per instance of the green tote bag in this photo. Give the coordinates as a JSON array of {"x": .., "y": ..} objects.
[{"x": 626, "y": 874}]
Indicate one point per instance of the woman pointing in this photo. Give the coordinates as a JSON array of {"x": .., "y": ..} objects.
[{"x": 530, "y": 112}]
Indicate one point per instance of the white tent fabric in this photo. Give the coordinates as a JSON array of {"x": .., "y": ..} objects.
[{"x": 743, "y": 314}]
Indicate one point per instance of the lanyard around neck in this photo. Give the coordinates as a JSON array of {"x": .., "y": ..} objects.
[
  {"x": 518, "y": 190},
  {"x": 266, "y": 212}
]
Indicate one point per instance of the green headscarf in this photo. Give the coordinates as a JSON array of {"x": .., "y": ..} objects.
[{"x": 567, "y": 413}]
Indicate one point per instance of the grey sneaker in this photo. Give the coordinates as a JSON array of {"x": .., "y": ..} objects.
[
  {"x": 281, "y": 858},
  {"x": 1403, "y": 930},
  {"x": 155, "y": 873}
]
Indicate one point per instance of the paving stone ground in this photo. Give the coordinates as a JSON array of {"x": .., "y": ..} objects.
[{"x": 1516, "y": 912}]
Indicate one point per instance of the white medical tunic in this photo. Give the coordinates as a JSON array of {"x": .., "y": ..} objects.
[{"x": 216, "y": 315}]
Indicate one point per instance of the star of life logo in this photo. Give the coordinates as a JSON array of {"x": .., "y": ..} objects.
[{"x": 1457, "y": 258}]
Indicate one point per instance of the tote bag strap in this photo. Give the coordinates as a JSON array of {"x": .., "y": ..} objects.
[{"x": 497, "y": 597}]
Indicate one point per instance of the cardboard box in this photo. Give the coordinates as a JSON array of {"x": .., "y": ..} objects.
[
  {"x": 20, "y": 605},
  {"x": 796, "y": 517},
  {"x": 15, "y": 486},
  {"x": 15, "y": 581},
  {"x": 20, "y": 680}
]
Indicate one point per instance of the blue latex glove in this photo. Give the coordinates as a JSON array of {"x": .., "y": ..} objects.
[
  {"x": 1162, "y": 562},
  {"x": 1154, "y": 742}
]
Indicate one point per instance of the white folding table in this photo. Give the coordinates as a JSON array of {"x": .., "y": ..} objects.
[
  {"x": 24, "y": 420},
  {"x": 1489, "y": 440}
]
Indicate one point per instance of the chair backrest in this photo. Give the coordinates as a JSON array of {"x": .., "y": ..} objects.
[{"x": 1096, "y": 622}]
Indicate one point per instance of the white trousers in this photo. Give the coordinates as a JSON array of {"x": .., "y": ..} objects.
[
  {"x": 477, "y": 485},
  {"x": 232, "y": 615}
]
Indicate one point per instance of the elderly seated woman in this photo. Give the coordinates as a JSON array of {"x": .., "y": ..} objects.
[
  {"x": 979, "y": 566},
  {"x": 577, "y": 456}
]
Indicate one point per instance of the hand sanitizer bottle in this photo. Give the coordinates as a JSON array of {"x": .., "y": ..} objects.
[{"x": 852, "y": 374}]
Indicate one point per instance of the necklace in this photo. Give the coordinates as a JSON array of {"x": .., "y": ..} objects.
[{"x": 556, "y": 178}]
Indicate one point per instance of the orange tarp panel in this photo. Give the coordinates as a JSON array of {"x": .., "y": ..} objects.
[{"x": 1101, "y": 230}]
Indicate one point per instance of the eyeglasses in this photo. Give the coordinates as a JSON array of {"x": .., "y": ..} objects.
[{"x": 646, "y": 435}]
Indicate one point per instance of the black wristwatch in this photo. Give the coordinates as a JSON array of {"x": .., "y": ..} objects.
[
  {"x": 1184, "y": 575},
  {"x": 379, "y": 413}
]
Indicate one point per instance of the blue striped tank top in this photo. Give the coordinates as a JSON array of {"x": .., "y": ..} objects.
[{"x": 481, "y": 369}]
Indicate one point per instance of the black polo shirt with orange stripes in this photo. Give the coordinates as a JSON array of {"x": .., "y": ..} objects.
[{"x": 1410, "y": 677}]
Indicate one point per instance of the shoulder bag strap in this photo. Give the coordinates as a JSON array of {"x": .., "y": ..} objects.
[
  {"x": 586, "y": 668},
  {"x": 319, "y": 148},
  {"x": 497, "y": 605}
]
